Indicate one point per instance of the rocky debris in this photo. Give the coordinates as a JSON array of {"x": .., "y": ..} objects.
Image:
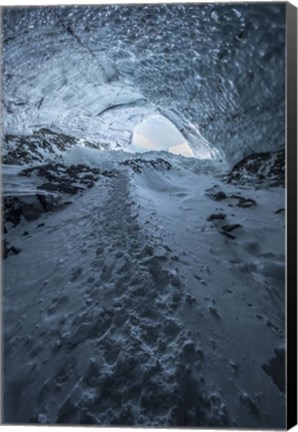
[
  {"x": 221, "y": 196},
  {"x": 136, "y": 165},
  {"x": 230, "y": 227},
  {"x": 214, "y": 216},
  {"x": 12, "y": 210},
  {"x": 244, "y": 202},
  {"x": 227, "y": 235},
  {"x": 55, "y": 171},
  {"x": 265, "y": 169},
  {"x": 275, "y": 368},
  {"x": 66, "y": 179},
  {"x": 28, "y": 206},
  {"x": 27, "y": 149},
  {"x": 61, "y": 187},
  {"x": 32, "y": 148},
  {"x": 61, "y": 181},
  {"x": 231, "y": 200},
  {"x": 9, "y": 250},
  {"x": 223, "y": 229}
]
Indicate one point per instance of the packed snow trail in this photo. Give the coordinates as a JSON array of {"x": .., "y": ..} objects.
[
  {"x": 128, "y": 307},
  {"x": 95, "y": 335}
]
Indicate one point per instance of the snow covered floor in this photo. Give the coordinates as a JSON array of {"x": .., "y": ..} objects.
[{"x": 156, "y": 298}]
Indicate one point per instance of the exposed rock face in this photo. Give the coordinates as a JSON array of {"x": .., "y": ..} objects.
[
  {"x": 38, "y": 146},
  {"x": 29, "y": 206},
  {"x": 138, "y": 164},
  {"x": 58, "y": 182},
  {"x": 33, "y": 148},
  {"x": 261, "y": 169}
]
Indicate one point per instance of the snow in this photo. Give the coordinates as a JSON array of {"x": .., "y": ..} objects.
[{"x": 130, "y": 307}]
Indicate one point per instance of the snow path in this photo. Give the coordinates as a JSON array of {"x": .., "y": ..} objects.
[
  {"x": 132, "y": 309},
  {"x": 100, "y": 330},
  {"x": 234, "y": 288}
]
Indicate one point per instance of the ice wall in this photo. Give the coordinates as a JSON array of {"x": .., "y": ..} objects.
[{"x": 215, "y": 70}]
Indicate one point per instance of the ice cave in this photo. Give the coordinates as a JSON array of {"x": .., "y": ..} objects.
[{"x": 143, "y": 182}]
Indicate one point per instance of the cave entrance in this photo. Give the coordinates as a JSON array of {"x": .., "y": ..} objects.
[{"x": 158, "y": 133}]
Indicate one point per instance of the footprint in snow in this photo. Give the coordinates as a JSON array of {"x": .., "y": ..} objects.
[{"x": 214, "y": 311}]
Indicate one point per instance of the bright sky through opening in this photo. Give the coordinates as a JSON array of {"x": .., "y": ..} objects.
[{"x": 158, "y": 133}]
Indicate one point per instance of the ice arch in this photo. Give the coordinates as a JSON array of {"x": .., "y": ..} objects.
[{"x": 214, "y": 70}]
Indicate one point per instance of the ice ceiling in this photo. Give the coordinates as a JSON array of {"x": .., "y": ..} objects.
[{"x": 214, "y": 71}]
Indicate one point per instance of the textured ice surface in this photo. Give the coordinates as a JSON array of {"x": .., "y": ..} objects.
[{"x": 214, "y": 70}]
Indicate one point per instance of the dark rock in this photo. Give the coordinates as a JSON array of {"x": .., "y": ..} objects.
[
  {"x": 48, "y": 202},
  {"x": 214, "y": 216},
  {"x": 9, "y": 250},
  {"x": 31, "y": 207},
  {"x": 12, "y": 210},
  {"x": 70, "y": 189},
  {"x": 228, "y": 235},
  {"x": 49, "y": 187},
  {"x": 108, "y": 173},
  {"x": 244, "y": 202},
  {"x": 25, "y": 233},
  {"x": 219, "y": 196},
  {"x": 88, "y": 177},
  {"x": 61, "y": 187},
  {"x": 13, "y": 250},
  {"x": 59, "y": 180},
  {"x": 26, "y": 149},
  {"x": 136, "y": 165},
  {"x": 266, "y": 169},
  {"x": 229, "y": 228}
]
